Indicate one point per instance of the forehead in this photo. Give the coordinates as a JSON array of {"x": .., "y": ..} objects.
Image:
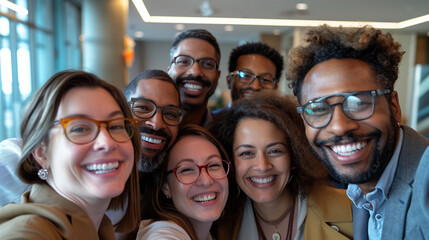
[
  {"x": 256, "y": 63},
  {"x": 254, "y": 130},
  {"x": 337, "y": 76},
  {"x": 196, "y": 48},
  {"x": 162, "y": 93},
  {"x": 192, "y": 147}
]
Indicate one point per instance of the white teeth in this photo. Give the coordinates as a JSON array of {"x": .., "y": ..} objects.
[
  {"x": 205, "y": 198},
  {"x": 262, "y": 180},
  {"x": 151, "y": 140},
  {"x": 192, "y": 87},
  {"x": 349, "y": 149},
  {"x": 102, "y": 167}
]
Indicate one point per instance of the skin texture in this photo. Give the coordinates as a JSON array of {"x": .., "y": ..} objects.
[
  {"x": 154, "y": 129},
  {"x": 254, "y": 63},
  {"x": 208, "y": 80},
  {"x": 262, "y": 165},
  {"x": 202, "y": 214},
  {"x": 67, "y": 162},
  {"x": 376, "y": 134}
]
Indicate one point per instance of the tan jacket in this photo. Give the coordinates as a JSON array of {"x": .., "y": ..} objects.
[
  {"x": 44, "y": 214},
  {"x": 327, "y": 208}
]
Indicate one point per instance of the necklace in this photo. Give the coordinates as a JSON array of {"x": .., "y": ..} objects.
[{"x": 275, "y": 222}]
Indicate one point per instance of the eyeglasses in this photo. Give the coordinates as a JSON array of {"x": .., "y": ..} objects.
[
  {"x": 265, "y": 80},
  {"x": 356, "y": 106},
  {"x": 145, "y": 109},
  {"x": 80, "y": 130},
  {"x": 189, "y": 172},
  {"x": 186, "y": 62}
]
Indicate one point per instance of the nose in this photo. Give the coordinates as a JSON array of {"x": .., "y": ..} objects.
[
  {"x": 256, "y": 85},
  {"x": 195, "y": 69},
  {"x": 204, "y": 179},
  {"x": 262, "y": 162},
  {"x": 340, "y": 124},
  {"x": 104, "y": 141},
  {"x": 156, "y": 122}
]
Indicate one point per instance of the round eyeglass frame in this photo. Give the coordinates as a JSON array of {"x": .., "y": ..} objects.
[
  {"x": 174, "y": 170},
  {"x": 64, "y": 122},
  {"x": 240, "y": 79},
  {"x": 155, "y": 109},
  {"x": 216, "y": 65}
]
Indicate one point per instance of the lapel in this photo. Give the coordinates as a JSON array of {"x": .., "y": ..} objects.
[{"x": 399, "y": 197}]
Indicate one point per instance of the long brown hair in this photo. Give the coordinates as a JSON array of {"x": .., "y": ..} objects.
[
  {"x": 158, "y": 206},
  {"x": 37, "y": 120}
]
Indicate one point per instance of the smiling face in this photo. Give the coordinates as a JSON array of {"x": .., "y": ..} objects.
[
  {"x": 203, "y": 200},
  {"x": 353, "y": 151},
  {"x": 196, "y": 85},
  {"x": 69, "y": 164},
  {"x": 261, "y": 159},
  {"x": 255, "y": 64},
  {"x": 156, "y": 135}
]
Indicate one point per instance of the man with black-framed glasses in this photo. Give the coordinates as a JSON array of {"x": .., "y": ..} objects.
[
  {"x": 155, "y": 103},
  {"x": 344, "y": 80},
  {"x": 194, "y": 66},
  {"x": 253, "y": 66}
]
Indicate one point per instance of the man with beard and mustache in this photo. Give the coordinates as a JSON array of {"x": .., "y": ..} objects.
[
  {"x": 253, "y": 66},
  {"x": 155, "y": 102},
  {"x": 344, "y": 79},
  {"x": 194, "y": 66}
]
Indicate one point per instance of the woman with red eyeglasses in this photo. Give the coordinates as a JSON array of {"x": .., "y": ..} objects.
[{"x": 191, "y": 191}]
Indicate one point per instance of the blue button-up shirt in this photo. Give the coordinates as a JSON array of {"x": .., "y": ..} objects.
[{"x": 375, "y": 201}]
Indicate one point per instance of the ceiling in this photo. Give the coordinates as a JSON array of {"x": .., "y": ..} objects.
[{"x": 336, "y": 10}]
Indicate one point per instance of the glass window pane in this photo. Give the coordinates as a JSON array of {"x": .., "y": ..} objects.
[
  {"x": 22, "y": 31},
  {"x": 43, "y": 14},
  {"x": 4, "y": 26},
  {"x": 24, "y": 70},
  {"x": 6, "y": 70},
  {"x": 23, "y": 4}
]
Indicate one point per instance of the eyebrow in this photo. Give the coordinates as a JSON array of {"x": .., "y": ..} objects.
[
  {"x": 276, "y": 143},
  {"x": 111, "y": 115},
  {"x": 243, "y": 146}
]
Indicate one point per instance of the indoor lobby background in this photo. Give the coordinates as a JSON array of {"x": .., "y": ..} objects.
[{"x": 94, "y": 36}]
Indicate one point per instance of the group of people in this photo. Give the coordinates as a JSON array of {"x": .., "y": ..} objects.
[{"x": 266, "y": 166}]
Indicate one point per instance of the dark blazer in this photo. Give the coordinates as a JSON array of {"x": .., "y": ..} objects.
[{"x": 407, "y": 209}]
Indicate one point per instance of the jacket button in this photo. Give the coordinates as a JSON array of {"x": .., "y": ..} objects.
[{"x": 336, "y": 228}]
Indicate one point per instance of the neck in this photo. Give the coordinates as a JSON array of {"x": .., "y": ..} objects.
[
  {"x": 368, "y": 186},
  {"x": 275, "y": 209},
  {"x": 202, "y": 229},
  {"x": 194, "y": 116}
]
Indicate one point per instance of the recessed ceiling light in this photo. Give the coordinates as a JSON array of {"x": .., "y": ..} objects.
[
  {"x": 139, "y": 34},
  {"x": 301, "y": 6},
  {"x": 276, "y": 32},
  {"x": 180, "y": 27},
  {"x": 229, "y": 28}
]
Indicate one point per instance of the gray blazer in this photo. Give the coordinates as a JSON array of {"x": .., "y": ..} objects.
[{"x": 407, "y": 209}]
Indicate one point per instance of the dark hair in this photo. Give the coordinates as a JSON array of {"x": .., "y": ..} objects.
[
  {"x": 37, "y": 120},
  {"x": 368, "y": 44},
  {"x": 131, "y": 88},
  {"x": 158, "y": 206},
  {"x": 198, "y": 34},
  {"x": 281, "y": 111},
  {"x": 256, "y": 48}
]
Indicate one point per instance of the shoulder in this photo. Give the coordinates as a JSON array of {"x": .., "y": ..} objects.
[
  {"x": 28, "y": 226},
  {"x": 166, "y": 230},
  {"x": 329, "y": 201}
]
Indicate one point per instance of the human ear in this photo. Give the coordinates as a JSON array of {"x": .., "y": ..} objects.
[
  {"x": 39, "y": 154},
  {"x": 166, "y": 190}
]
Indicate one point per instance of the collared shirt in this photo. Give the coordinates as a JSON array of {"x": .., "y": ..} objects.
[{"x": 375, "y": 201}]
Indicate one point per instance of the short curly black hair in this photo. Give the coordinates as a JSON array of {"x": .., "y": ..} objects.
[
  {"x": 256, "y": 48},
  {"x": 368, "y": 44}
]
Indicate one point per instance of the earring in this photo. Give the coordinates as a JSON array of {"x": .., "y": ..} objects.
[
  {"x": 238, "y": 191},
  {"x": 43, "y": 173},
  {"x": 167, "y": 196},
  {"x": 290, "y": 179}
]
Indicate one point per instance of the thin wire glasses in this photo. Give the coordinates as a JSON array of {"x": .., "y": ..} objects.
[
  {"x": 265, "y": 80},
  {"x": 186, "y": 62},
  {"x": 356, "y": 106},
  {"x": 145, "y": 109},
  {"x": 80, "y": 130},
  {"x": 189, "y": 172}
]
